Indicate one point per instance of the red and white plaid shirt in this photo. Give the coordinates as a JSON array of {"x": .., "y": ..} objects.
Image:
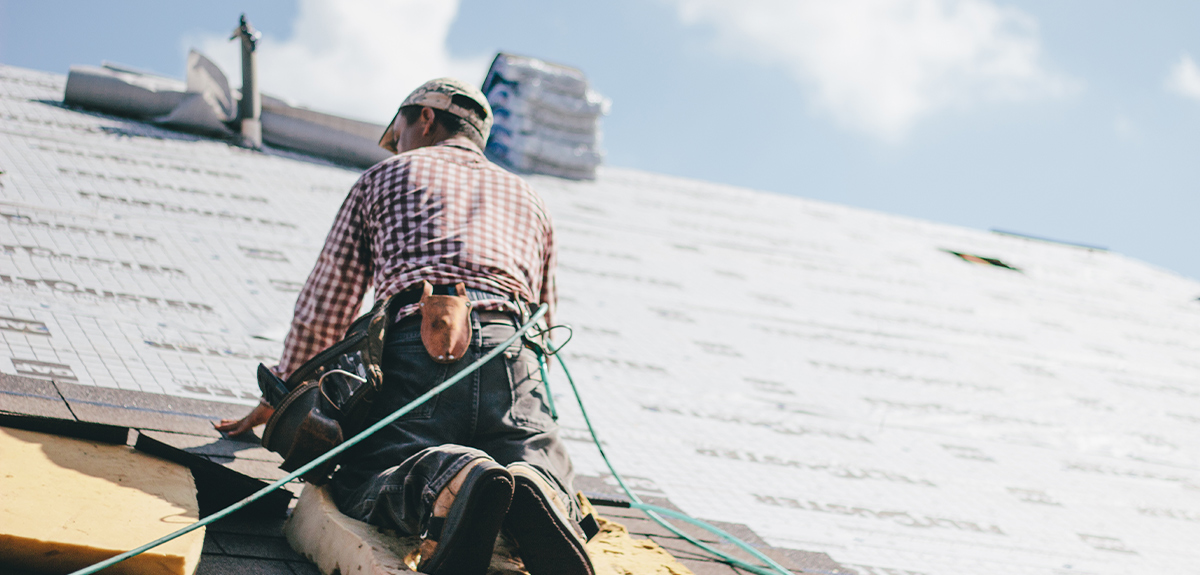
[{"x": 441, "y": 213}]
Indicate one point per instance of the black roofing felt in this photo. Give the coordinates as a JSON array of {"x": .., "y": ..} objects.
[
  {"x": 245, "y": 544},
  {"x": 143, "y": 410},
  {"x": 113, "y": 434},
  {"x": 32, "y": 397}
]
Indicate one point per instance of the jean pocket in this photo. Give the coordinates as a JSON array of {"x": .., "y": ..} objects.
[
  {"x": 494, "y": 334},
  {"x": 408, "y": 373},
  {"x": 530, "y": 406}
]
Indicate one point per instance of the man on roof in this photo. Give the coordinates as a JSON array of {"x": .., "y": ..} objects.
[{"x": 485, "y": 454}]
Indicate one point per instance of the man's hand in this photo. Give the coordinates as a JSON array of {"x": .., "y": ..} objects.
[{"x": 258, "y": 416}]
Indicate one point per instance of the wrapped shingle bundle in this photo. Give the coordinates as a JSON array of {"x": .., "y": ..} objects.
[{"x": 547, "y": 119}]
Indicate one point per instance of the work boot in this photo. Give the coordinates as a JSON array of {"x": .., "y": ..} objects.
[
  {"x": 467, "y": 515},
  {"x": 539, "y": 520}
]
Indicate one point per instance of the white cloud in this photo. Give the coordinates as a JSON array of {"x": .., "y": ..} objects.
[
  {"x": 357, "y": 58},
  {"x": 1184, "y": 78},
  {"x": 882, "y": 65}
]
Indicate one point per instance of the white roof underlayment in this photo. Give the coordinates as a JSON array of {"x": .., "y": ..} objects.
[{"x": 831, "y": 377}]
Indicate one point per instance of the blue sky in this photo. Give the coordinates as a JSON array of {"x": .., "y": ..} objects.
[{"x": 1076, "y": 120}]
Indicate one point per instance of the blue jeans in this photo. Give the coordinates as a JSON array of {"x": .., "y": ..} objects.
[{"x": 393, "y": 477}]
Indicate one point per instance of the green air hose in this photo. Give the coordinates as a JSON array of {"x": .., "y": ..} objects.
[
  {"x": 546, "y": 386},
  {"x": 652, "y": 511}
]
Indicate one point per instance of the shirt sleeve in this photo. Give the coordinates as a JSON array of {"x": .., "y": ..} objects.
[{"x": 335, "y": 287}]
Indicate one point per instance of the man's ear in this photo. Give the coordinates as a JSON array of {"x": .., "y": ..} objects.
[{"x": 428, "y": 123}]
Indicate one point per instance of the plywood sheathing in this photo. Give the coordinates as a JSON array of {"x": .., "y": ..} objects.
[{"x": 69, "y": 503}]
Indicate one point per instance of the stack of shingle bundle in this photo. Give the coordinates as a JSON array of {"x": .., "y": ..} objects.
[{"x": 547, "y": 118}]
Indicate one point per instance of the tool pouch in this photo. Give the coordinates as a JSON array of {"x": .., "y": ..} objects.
[
  {"x": 301, "y": 430},
  {"x": 329, "y": 397},
  {"x": 445, "y": 324}
]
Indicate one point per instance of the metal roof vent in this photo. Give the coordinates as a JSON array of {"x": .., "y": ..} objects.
[
  {"x": 205, "y": 104},
  {"x": 250, "y": 106}
]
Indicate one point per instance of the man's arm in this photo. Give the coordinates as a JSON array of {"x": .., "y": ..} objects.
[
  {"x": 549, "y": 292},
  {"x": 334, "y": 290},
  {"x": 258, "y": 416},
  {"x": 326, "y": 304}
]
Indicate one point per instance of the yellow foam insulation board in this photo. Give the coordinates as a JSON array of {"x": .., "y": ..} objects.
[
  {"x": 339, "y": 544},
  {"x": 66, "y": 504}
]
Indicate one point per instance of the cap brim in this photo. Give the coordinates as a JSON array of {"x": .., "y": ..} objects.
[{"x": 388, "y": 140}]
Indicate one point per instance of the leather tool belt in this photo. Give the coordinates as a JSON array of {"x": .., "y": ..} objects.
[{"x": 329, "y": 397}]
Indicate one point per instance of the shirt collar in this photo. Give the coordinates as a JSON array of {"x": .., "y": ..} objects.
[{"x": 460, "y": 142}]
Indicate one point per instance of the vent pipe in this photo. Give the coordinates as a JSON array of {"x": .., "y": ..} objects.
[{"x": 250, "y": 106}]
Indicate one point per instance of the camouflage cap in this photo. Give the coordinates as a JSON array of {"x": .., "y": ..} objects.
[{"x": 439, "y": 95}]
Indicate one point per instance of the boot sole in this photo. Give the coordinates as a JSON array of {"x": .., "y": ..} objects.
[
  {"x": 546, "y": 543},
  {"x": 475, "y": 518}
]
